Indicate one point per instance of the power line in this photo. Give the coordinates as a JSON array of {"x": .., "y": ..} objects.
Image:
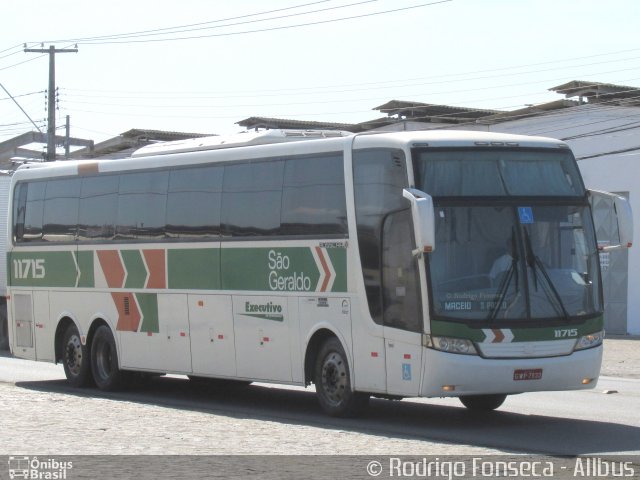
[
  {"x": 269, "y": 29},
  {"x": 141, "y": 32},
  {"x": 317, "y": 89},
  {"x": 20, "y": 107},
  {"x": 280, "y": 104},
  {"x": 189, "y": 28},
  {"x": 18, "y": 47},
  {"x": 386, "y": 87},
  {"x": 612, "y": 152},
  {"x": 22, "y": 95}
]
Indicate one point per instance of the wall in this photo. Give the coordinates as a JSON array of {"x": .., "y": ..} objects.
[{"x": 621, "y": 173}]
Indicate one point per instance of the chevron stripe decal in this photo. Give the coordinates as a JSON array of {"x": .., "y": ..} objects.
[
  {"x": 319, "y": 267},
  {"x": 325, "y": 267},
  {"x": 497, "y": 335}
]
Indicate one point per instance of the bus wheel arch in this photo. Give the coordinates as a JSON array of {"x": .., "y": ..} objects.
[
  {"x": 61, "y": 328},
  {"x": 311, "y": 355},
  {"x": 333, "y": 379},
  {"x": 74, "y": 355}
]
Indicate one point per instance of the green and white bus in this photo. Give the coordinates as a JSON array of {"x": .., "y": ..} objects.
[{"x": 401, "y": 264}]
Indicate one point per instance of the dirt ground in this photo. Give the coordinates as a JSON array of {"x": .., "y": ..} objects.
[{"x": 621, "y": 356}]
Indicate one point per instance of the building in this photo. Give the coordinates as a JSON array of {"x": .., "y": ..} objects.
[{"x": 128, "y": 142}]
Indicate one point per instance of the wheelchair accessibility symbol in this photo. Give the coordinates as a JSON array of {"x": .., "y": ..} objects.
[
  {"x": 526, "y": 214},
  {"x": 406, "y": 371}
]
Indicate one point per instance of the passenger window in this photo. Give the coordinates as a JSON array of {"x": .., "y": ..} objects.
[
  {"x": 252, "y": 198},
  {"x": 60, "y": 218},
  {"x": 193, "y": 202},
  {"x": 19, "y": 210},
  {"x": 33, "y": 212},
  {"x": 98, "y": 208},
  {"x": 313, "y": 197},
  {"x": 142, "y": 205}
]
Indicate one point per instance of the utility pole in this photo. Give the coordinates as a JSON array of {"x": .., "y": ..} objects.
[{"x": 51, "y": 121}]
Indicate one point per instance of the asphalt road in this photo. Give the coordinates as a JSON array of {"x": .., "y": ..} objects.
[{"x": 174, "y": 416}]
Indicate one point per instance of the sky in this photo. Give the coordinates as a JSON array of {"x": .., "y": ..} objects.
[{"x": 202, "y": 65}]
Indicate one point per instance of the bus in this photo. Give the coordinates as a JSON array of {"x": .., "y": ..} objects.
[{"x": 403, "y": 264}]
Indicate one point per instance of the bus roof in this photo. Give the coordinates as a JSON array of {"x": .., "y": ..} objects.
[
  {"x": 250, "y": 145},
  {"x": 455, "y": 138},
  {"x": 444, "y": 138},
  {"x": 242, "y": 139}
]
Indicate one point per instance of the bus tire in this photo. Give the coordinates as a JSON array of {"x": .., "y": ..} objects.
[
  {"x": 483, "y": 402},
  {"x": 333, "y": 382},
  {"x": 75, "y": 358},
  {"x": 104, "y": 361}
]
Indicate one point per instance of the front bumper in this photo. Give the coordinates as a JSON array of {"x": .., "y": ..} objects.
[{"x": 474, "y": 375}]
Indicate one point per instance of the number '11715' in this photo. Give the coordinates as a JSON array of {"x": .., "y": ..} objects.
[{"x": 28, "y": 268}]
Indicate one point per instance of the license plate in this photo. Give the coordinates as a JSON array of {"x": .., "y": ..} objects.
[{"x": 531, "y": 374}]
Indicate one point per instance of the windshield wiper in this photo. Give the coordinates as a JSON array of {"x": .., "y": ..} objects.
[
  {"x": 534, "y": 261},
  {"x": 506, "y": 280}
]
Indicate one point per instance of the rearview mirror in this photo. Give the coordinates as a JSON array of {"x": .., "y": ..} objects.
[
  {"x": 622, "y": 214},
  {"x": 423, "y": 219}
]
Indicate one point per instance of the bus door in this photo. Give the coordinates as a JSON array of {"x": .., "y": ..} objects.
[{"x": 402, "y": 310}]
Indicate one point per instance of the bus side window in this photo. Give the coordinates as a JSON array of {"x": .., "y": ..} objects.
[
  {"x": 142, "y": 205},
  {"x": 98, "y": 208},
  {"x": 60, "y": 213},
  {"x": 252, "y": 198},
  {"x": 19, "y": 209},
  {"x": 33, "y": 212},
  {"x": 313, "y": 196},
  {"x": 379, "y": 176},
  {"x": 193, "y": 202}
]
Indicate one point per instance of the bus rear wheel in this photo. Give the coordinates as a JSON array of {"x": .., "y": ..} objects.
[
  {"x": 482, "y": 402},
  {"x": 333, "y": 382},
  {"x": 104, "y": 361},
  {"x": 75, "y": 358}
]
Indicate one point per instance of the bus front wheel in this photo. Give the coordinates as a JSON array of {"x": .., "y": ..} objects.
[
  {"x": 333, "y": 382},
  {"x": 482, "y": 402},
  {"x": 104, "y": 361},
  {"x": 75, "y": 358}
]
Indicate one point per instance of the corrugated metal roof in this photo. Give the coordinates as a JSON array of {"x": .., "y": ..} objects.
[
  {"x": 162, "y": 134},
  {"x": 529, "y": 111},
  {"x": 126, "y": 143},
  {"x": 285, "y": 123},
  {"x": 430, "y": 111},
  {"x": 597, "y": 90}
]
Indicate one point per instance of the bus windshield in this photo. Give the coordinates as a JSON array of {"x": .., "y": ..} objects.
[
  {"x": 507, "y": 251},
  {"x": 473, "y": 172}
]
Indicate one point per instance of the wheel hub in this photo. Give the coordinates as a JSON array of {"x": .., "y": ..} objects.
[
  {"x": 74, "y": 355},
  {"x": 334, "y": 378}
]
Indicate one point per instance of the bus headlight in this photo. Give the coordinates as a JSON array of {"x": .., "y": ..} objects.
[
  {"x": 589, "y": 341},
  {"x": 451, "y": 345}
]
